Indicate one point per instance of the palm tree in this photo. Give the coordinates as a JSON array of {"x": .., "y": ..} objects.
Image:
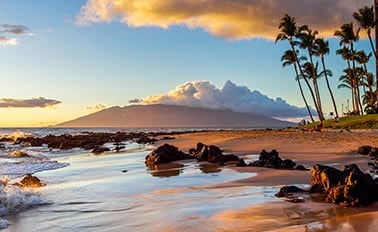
[
  {"x": 307, "y": 41},
  {"x": 347, "y": 82},
  {"x": 366, "y": 20},
  {"x": 359, "y": 73},
  {"x": 322, "y": 49},
  {"x": 289, "y": 30},
  {"x": 348, "y": 37},
  {"x": 289, "y": 58}
]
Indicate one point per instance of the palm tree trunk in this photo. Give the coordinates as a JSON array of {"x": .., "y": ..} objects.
[
  {"x": 359, "y": 100},
  {"x": 306, "y": 81},
  {"x": 316, "y": 88},
  {"x": 355, "y": 81},
  {"x": 329, "y": 87},
  {"x": 301, "y": 90}
]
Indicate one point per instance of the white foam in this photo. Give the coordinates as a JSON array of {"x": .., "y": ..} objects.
[
  {"x": 18, "y": 169},
  {"x": 4, "y": 223},
  {"x": 14, "y": 199}
]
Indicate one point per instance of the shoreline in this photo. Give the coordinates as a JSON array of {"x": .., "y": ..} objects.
[{"x": 335, "y": 148}]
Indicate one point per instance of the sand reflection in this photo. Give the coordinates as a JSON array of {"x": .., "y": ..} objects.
[
  {"x": 165, "y": 170},
  {"x": 175, "y": 168}
]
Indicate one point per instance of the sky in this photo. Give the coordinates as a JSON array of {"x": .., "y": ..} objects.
[{"x": 64, "y": 59}]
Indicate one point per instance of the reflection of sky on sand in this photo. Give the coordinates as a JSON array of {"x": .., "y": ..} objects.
[{"x": 182, "y": 167}]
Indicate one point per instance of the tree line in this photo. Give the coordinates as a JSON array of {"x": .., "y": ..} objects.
[{"x": 307, "y": 55}]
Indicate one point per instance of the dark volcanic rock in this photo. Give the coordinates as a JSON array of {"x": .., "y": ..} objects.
[
  {"x": 87, "y": 140},
  {"x": 364, "y": 150},
  {"x": 145, "y": 140},
  {"x": 272, "y": 160},
  {"x": 287, "y": 191},
  {"x": 324, "y": 177},
  {"x": 100, "y": 149},
  {"x": 164, "y": 154},
  {"x": 350, "y": 187},
  {"x": 30, "y": 181},
  {"x": 368, "y": 150},
  {"x": 213, "y": 154}
]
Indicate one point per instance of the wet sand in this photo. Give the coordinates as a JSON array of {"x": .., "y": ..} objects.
[{"x": 330, "y": 147}]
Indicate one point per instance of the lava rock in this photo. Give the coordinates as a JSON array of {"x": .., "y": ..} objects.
[
  {"x": 213, "y": 154},
  {"x": 364, "y": 150},
  {"x": 287, "y": 191},
  {"x": 166, "y": 153},
  {"x": 349, "y": 187},
  {"x": 30, "y": 181},
  {"x": 272, "y": 160},
  {"x": 99, "y": 150}
]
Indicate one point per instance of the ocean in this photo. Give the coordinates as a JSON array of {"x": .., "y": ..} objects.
[
  {"x": 113, "y": 191},
  {"x": 116, "y": 191}
]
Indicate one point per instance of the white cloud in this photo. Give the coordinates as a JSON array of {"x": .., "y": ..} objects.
[
  {"x": 4, "y": 41},
  {"x": 230, "y": 96},
  {"x": 232, "y": 19}
]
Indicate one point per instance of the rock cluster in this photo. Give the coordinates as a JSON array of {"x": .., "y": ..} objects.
[
  {"x": 87, "y": 141},
  {"x": 212, "y": 154},
  {"x": 368, "y": 150},
  {"x": 349, "y": 187},
  {"x": 209, "y": 153},
  {"x": 372, "y": 152},
  {"x": 165, "y": 154},
  {"x": 272, "y": 160}
]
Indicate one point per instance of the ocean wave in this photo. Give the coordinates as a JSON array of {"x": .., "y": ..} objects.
[
  {"x": 14, "y": 199},
  {"x": 18, "y": 169}
]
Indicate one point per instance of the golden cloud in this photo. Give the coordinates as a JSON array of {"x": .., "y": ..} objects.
[
  {"x": 28, "y": 103},
  {"x": 95, "y": 108},
  {"x": 231, "y": 19}
]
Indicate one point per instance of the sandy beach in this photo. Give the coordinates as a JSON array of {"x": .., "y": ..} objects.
[{"x": 330, "y": 147}]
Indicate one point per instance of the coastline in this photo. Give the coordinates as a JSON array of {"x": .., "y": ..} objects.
[{"x": 330, "y": 147}]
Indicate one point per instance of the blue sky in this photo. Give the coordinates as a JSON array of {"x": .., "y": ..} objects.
[{"x": 111, "y": 61}]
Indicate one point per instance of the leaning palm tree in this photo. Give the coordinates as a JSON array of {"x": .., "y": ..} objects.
[
  {"x": 311, "y": 72},
  {"x": 289, "y": 30},
  {"x": 366, "y": 19},
  {"x": 322, "y": 49},
  {"x": 289, "y": 58},
  {"x": 348, "y": 37},
  {"x": 363, "y": 60},
  {"x": 307, "y": 41}
]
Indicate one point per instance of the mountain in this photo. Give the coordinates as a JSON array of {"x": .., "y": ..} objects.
[{"x": 142, "y": 116}]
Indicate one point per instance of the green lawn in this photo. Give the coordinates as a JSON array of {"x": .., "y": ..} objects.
[{"x": 350, "y": 122}]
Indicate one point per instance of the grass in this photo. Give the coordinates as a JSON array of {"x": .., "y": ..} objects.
[{"x": 349, "y": 122}]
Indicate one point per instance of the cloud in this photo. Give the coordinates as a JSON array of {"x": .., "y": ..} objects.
[
  {"x": 8, "y": 31},
  {"x": 230, "y": 96},
  {"x": 14, "y": 29},
  {"x": 135, "y": 101},
  {"x": 27, "y": 103},
  {"x": 4, "y": 41},
  {"x": 236, "y": 19},
  {"x": 95, "y": 108}
]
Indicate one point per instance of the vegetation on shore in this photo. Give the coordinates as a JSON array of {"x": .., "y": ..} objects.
[
  {"x": 307, "y": 53},
  {"x": 369, "y": 121}
]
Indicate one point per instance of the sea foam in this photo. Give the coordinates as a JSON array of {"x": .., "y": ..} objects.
[{"x": 14, "y": 199}]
